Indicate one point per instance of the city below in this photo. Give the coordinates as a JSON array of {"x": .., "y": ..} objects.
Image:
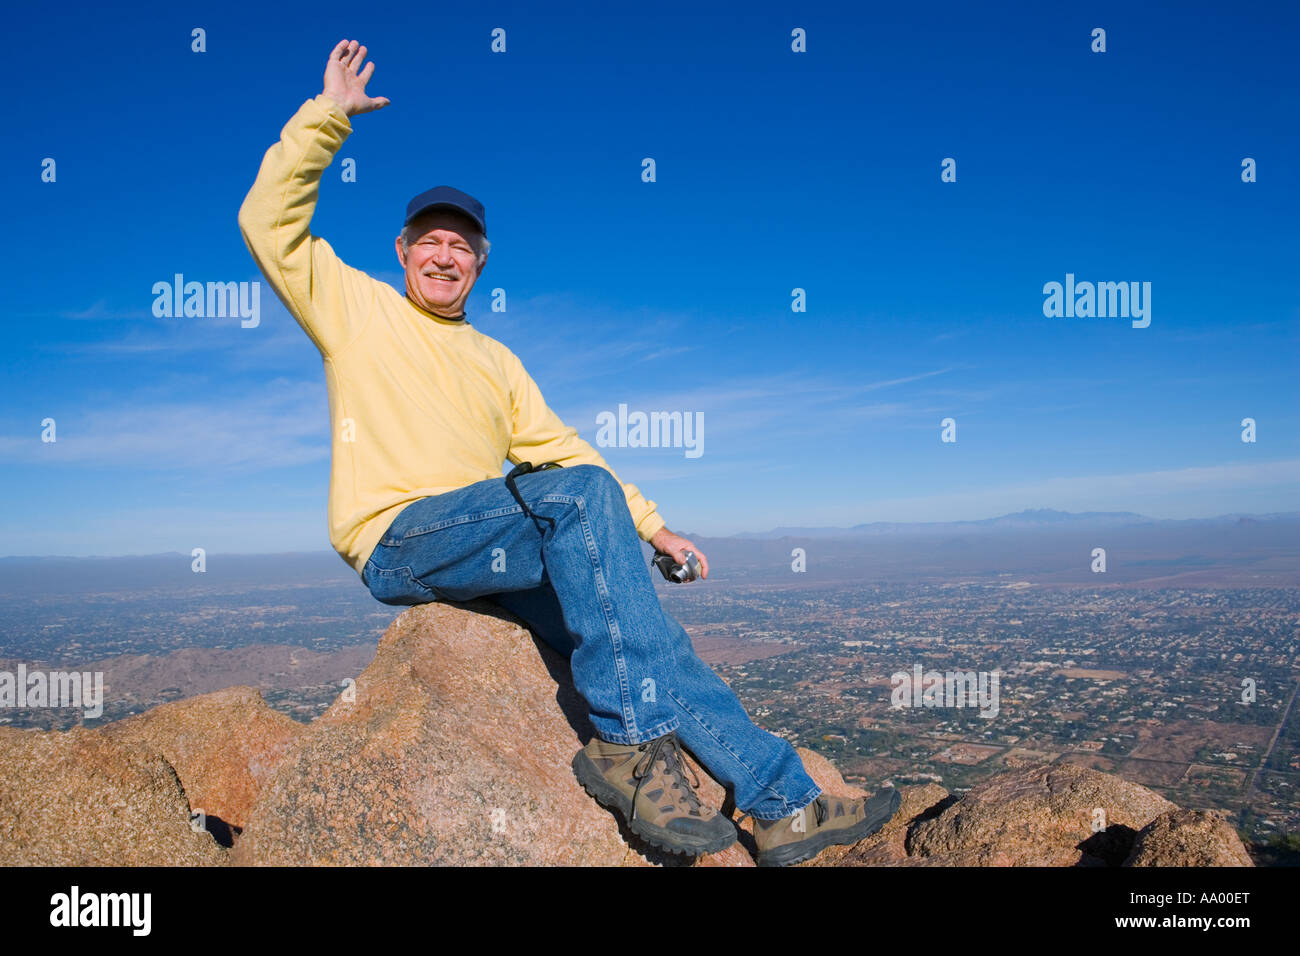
[{"x": 1161, "y": 652}]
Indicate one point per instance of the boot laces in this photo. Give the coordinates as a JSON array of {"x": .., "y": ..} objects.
[{"x": 665, "y": 747}]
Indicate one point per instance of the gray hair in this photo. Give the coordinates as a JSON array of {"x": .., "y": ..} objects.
[{"x": 478, "y": 242}]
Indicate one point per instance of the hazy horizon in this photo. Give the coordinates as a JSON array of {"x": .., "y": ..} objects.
[{"x": 1059, "y": 523}]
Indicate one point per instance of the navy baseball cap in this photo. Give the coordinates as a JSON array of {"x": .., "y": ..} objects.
[{"x": 447, "y": 197}]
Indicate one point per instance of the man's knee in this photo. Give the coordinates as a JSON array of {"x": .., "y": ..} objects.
[
  {"x": 591, "y": 473},
  {"x": 599, "y": 494},
  {"x": 595, "y": 480}
]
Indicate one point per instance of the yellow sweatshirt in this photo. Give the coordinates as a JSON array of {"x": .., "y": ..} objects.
[{"x": 419, "y": 405}]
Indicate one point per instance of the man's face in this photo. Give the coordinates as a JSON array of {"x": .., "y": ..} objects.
[{"x": 440, "y": 264}]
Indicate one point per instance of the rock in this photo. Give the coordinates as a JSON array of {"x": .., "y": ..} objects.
[
  {"x": 1188, "y": 838},
  {"x": 80, "y": 798},
  {"x": 456, "y": 750},
  {"x": 1040, "y": 816},
  {"x": 224, "y": 746}
]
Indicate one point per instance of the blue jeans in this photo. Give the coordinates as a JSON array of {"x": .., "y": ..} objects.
[{"x": 576, "y": 574}]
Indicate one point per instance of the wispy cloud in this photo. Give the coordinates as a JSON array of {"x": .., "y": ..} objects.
[
  {"x": 745, "y": 418},
  {"x": 664, "y": 353},
  {"x": 284, "y": 526},
  {"x": 139, "y": 333},
  {"x": 281, "y": 424},
  {"x": 565, "y": 337},
  {"x": 101, "y": 310}
]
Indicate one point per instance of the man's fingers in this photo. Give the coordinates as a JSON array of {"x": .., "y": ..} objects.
[
  {"x": 699, "y": 556},
  {"x": 367, "y": 73},
  {"x": 354, "y": 64}
]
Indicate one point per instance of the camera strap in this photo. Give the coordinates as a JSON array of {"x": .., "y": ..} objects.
[{"x": 524, "y": 468}]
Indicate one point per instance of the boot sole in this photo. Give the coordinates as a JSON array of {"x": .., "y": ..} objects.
[
  {"x": 879, "y": 812},
  {"x": 607, "y": 795}
]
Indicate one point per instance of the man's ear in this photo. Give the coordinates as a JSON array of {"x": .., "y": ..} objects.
[
  {"x": 482, "y": 267},
  {"x": 401, "y": 253}
]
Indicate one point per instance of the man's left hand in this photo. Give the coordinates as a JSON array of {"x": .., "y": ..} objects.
[{"x": 674, "y": 544}]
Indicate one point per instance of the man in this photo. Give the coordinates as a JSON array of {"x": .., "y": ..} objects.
[{"x": 424, "y": 410}]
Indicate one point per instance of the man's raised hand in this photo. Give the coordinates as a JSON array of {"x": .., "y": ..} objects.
[{"x": 345, "y": 85}]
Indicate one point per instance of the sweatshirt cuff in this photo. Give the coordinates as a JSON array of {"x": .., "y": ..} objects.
[
  {"x": 331, "y": 107},
  {"x": 649, "y": 526}
]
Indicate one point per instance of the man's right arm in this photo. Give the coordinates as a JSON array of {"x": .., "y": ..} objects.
[{"x": 320, "y": 291}]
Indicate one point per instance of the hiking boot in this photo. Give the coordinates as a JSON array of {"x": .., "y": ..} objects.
[
  {"x": 827, "y": 821},
  {"x": 646, "y": 783}
]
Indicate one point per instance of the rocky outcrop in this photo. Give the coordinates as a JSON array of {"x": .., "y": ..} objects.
[
  {"x": 224, "y": 747},
  {"x": 79, "y": 798},
  {"x": 1188, "y": 838},
  {"x": 454, "y": 747},
  {"x": 1047, "y": 815}
]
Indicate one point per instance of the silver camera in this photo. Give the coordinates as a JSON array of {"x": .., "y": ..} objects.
[{"x": 677, "y": 573}]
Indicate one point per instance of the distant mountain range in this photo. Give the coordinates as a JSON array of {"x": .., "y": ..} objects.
[
  {"x": 1044, "y": 546},
  {"x": 1020, "y": 521}
]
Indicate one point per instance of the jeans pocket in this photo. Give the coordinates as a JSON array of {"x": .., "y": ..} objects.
[{"x": 399, "y": 586}]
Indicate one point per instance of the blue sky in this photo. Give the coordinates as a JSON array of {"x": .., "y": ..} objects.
[{"x": 775, "y": 170}]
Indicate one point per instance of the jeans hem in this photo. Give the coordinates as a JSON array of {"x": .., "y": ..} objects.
[
  {"x": 658, "y": 730},
  {"x": 768, "y": 790},
  {"x": 793, "y": 806}
]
